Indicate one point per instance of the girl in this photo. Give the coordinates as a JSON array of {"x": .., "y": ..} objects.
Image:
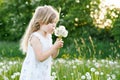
[{"x": 37, "y": 43}]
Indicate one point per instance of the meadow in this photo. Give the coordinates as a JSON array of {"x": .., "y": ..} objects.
[{"x": 65, "y": 67}]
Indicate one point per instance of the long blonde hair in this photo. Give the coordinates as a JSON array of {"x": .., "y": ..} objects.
[{"x": 44, "y": 14}]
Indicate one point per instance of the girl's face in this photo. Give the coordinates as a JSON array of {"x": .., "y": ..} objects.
[{"x": 49, "y": 28}]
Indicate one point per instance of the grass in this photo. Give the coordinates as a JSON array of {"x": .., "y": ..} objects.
[
  {"x": 67, "y": 69},
  {"x": 80, "y": 60},
  {"x": 10, "y": 49}
]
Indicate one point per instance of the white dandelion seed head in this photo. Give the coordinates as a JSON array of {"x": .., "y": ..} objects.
[
  {"x": 101, "y": 73},
  {"x": 83, "y": 77},
  {"x": 113, "y": 76},
  {"x": 97, "y": 73},
  {"x": 61, "y": 32},
  {"x": 92, "y": 69}
]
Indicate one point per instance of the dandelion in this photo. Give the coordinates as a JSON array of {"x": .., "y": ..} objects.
[
  {"x": 64, "y": 77},
  {"x": 113, "y": 76},
  {"x": 97, "y": 65},
  {"x": 74, "y": 67},
  {"x": 53, "y": 73},
  {"x": 109, "y": 78},
  {"x": 101, "y": 73},
  {"x": 97, "y": 73},
  {"x": 94, "y": 61},
  {"x": 1, "y": 64},
  {"x": 77, "y": 1},
  {"x": 72, "y": 74},
  {"x": 61, "y": 32},
  {"x": 52, "y": 78},
  {"x": 5, "y": 78},
  {"x": 82, "y": 77},
  {"x": 15, "y": 74},
  {"x": 89, "y": 77},
  {"x": 87, "y": 74},
  {"x": 103, "y": 61},
  {"x": 92, "y": 69}
]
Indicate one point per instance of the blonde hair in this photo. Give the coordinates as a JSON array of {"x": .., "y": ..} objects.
[{"x": 43, "y": 14}]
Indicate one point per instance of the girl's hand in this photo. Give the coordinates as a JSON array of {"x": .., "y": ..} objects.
[{"x": 58, "y": 43}]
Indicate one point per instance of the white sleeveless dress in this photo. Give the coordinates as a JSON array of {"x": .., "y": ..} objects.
[{"x": 32, "y": 69}]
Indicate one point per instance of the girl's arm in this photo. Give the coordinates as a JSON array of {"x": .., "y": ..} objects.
[
  {"x": 56, "y": 53},
  {"x": 37, "y": 47}
]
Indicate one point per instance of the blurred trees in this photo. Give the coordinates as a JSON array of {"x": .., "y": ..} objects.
[{"x": 75, "y": 15}]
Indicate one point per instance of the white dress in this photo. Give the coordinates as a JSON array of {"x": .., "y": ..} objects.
[{"x": 32, "y": 69}]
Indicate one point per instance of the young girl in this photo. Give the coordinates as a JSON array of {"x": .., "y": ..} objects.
[{"x": 37, "y": 43}]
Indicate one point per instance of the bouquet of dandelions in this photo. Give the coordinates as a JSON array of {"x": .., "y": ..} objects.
[{"x": 61, "y": 32}]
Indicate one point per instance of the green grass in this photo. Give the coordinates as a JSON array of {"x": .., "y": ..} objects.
[
  {"x": 97, "y": 61},
  {"x": 78, "y": 48},
  {"x": 10, "y": 49},
  {"x": 67, "y": 69}
]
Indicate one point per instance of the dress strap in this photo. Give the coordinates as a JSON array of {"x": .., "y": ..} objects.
[{"x": 36, "y": 35}]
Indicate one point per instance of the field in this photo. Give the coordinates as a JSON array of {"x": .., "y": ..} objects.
[{"x": 67, "y": 69}]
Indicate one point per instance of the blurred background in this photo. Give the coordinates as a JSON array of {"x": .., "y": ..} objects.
[{"x": 93, "y": 25}]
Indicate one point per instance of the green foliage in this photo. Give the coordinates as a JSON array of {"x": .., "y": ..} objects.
[
  {"x": 14, "y": 22},
  {"x": 15, "y": 16},
  {"x": 75, "y": 16},
  {"x": 116, "y": 29}
]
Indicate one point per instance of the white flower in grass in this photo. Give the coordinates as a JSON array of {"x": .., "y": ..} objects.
[
  {"x": 64, "y": 77},
  {"x": 87, "y": 74},
  {"x": 106, "y": 66},
  {"x": 109, "y": 78},
  {"x": 52, "y": 78},
  {"x": 1, "y": 70},
  {"x": 15, "y": 74},
  {"x": 53, "y": 73},
  {"x": 10, "y": 62},
  {"x": 94, "y": 61},
  {"x": 5, "y": 78},
  {"x": 113, "y": 76},
  {"x": 92, "y": 69},
  {"x": 89, "y": 77},
  {"x": 83, "y": 77},
  {"x": 111, "y": 63},
  {"x": 97, "y": 73},
  {"x": 101, "y": 73},
  {"x": 108, "y": 75},
  {"x": 74, "y": 67},
  {"x": 88, "y": 61},
  {"x": 97, "y": 65},
  {"x": 61, "y": 32},
  {"x": 1, "y": 63},
  {"x": 103, "y": 61},
  {"x": 71, "y": 74}
]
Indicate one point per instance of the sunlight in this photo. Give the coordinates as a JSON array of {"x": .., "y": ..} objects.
[
  {"x": 115, "y": 3},
  {"x": 105, "y": 14}
]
